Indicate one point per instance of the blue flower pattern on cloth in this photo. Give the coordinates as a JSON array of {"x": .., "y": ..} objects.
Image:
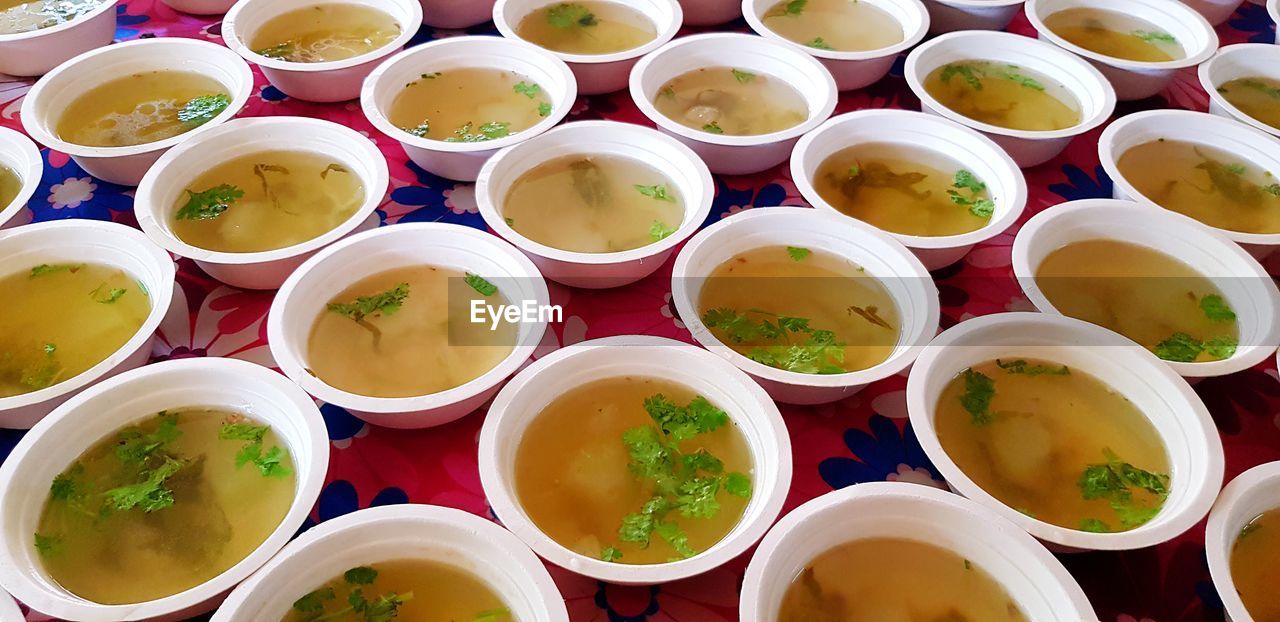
[
  {"x": 339, "y": 498},
  {"x": 1080, "y": 185},
  {"x": 877, "y": 456},
  {"x": 68, "y": 192}
]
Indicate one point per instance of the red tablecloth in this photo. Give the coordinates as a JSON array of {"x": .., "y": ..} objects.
[{"x": 863, "y": 438}]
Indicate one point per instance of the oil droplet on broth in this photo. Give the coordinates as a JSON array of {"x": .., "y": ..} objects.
[{"x": 134, "y": 110}]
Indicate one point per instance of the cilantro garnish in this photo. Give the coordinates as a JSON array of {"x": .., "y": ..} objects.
[
  {"x": 1216, "y": 309},
  {"x": 279, "y": 51},
  {"x": 43, "y": 373},
  {"x": 968, "y": 191},
  {"x": 818, "y": 43},
  {"x": 544, "y": 109},
  {"x": 270, "y": 464},
  {"x": 658, "y": 192},
  {"x": 150, "y": 494},
  {"x": 1152, "y": 36},
  {"x": 48, "y": 546},
  {"x": 786, "y": 343},
  {"x": 713, "y": 128},
  {"x": 743, "y": 77},
  {"x": 684, "y": 483},
  {"x": 209, "y": 204},
  {"x": 44, "y": 268},
  {"x": 1094, "y": 525},
  {"x": 203, "y": 109},
  {"x": 492, "y": 130},
  {"x": 1010, "y": 73},
  {"x": 383, "y": 303},
  {"x": 571, "y": 15},
  {"x": 1114, "y": 482},
  {"x": 528, "y": 90},
  {"x": 1183, "y": 348},
  {"x": 491, "y": 615},
  {"x": 478, "y": 283},
  {"x": 383, "y": 608},
  {"x": 972, "y": 75},
  {"x": 108, "y": 296},
  {"x": 798, "y": 253},
  {"x": 979, "y": 389},
  {"x": 790, "y": 9},
  {"x": 1020, "y": 366},
  {"x": 659, "y": 231},
  {"x": 420, "y": 130}
]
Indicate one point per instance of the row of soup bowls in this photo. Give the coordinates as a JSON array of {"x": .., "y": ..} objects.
[{"x": 1181, "y": 420}]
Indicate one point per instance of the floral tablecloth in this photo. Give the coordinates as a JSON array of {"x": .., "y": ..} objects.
[{"x": 861, "y": 439}]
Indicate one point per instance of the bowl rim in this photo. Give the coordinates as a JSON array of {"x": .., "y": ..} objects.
[
  {"x": 291, "y": 357},
  {"x": 422, "y": 516},
  {"x": 46, "y": 136},
  {"x": 816, "y": 115},
  {"x": 1205, "y": 71},
  {"x": 756, "y": 21},
  {"x": 1177, "y": 122},
  {"x": 999, "y": 157},
  {"x": 1218, "y": 557},
  {"x": 560, "y": 105},
  {"x": 796, "y": 522},
  {"x": 160, "y": 297},
  {"x": 696, "y": 211},
  {"x": 1189, "y": 228},
  {"x": 307, "y": 491},
  {"x": 150, "y": 213},
  {"x": 1185, "y": 13},
  {"x": 24, "y": 147},
  {"x": 107, "y": 5},
  {"x": 665, "y": 33},
  {"x": 921, "y": 415},
  {"x": 905, "y": 352},
  {"x": 408, "y": 29},
  {"x": 915, "y": 82},
  {"x": 505, "y": 504}
]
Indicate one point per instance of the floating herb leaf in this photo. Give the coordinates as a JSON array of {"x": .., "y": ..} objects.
[
  {"x": 1114, "y": 482},
  {"x": 798, "y": 253},
  {"x": 979, "y": 389},
  {"x": 478, "y": 283},
  {"x": 713, "y": 128},
  {"x": 1151, "y": 36},
  {"x": 202, "y": 109},
  {"x": 421, "y": 130},
  {"x": 45, "y": 269},
  {"x": 658, "y": 192},
  {"x": 1020, "y": 366},
  {"x": 571, "y": 15},
  {"x": 209, "y": 204},
  {"x": 1216, "y": 309},
  {"x": 743, "y": 77},
  {"x": 659, "y": 231},
  {"x": 528, "y": 90},
  {"x": 383, "y": 303},
  {"x": 968, "y": 191},
  {"x": 818, "y": 43}
]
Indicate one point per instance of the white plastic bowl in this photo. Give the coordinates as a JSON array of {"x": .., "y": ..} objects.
[
  {"x": 20, "y": 155},
  {"x": 735, "y": 155},
  {"x": 304, "y": 295},
  {"x": 906, "y": 279},
  {"x": 46, "y": 101},
  {"x": 98, "y": 412},
  {"x": 1176, "y": 412},
  {"x": 1245, "y": 284},
  {"x": 456, "y": 13},
  {"x": 1196, "y": 127},
  {"x": 854, "y": 70},
  {"x": 1247, "y": 496},
  {"x": 92, "y": 241},
  {"x": 1033, "y": 578},
  {"x": 1027, "y": 148},
  {"x": 165, "y": 183},
  {"x": 976, "y": 152},
  {"x": 598, "y": 73},
  {"x": 1243, "y": 60},
  {"x": 952, "y": 15},
  {"x": 551, "y": 376},
  {"x": 1273, "y": 9},
  {"x": 39, "y": 51},
  {"x": 1136, "y": 79},
  {"x": 201, "y": 7},
  {"x": 9, "y": 610},
  {"x": 710, "y": 12},
  {"x": 690, "y": 177},
  {"x": 332, "y": 81},
  {"x": 1216, "y": 11},
  {"x": 393, "y": 533},
  {"x": 462, "y": 161}
]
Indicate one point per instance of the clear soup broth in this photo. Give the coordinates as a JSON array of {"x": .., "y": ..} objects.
[
  {"x": 589, "y": 27},
  {"x": 735, "y": 102},
  {"x": 325, "y": 32},
  {"x": 18, "y": 16},
  {"x": 1004, "y": 95},
  {"x": 142, "y": 108},
  {"x": 1115, "y": 34},
  {"x": 405, "y": 590},
  {"x": 838, "y": 25},
  {"x": 1258, "y": 97},
  {"x": 469, "y": 105},
  {"x": 1253, "y": 565}
]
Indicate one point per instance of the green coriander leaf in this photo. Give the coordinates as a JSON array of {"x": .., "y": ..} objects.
[
  {"x": 570, "y": 15},
  {"x": 44, "y": 269},
  {"x": 242, "y": 432},
  {"x": 1236, "y": 168},
  {"x": 610, "y": 554},
  {"x": 1221, "y": 347},
  {"x": 1180, "y": 347},
  {"x": 421, "y": 130},
  {"x": 65, "y": 486},
  {"x": 492, "y": 130},
  {"x": 280, "y": 51},
  {"x": 855, "y": 171},
  {"x": 490, "y": 615},
  {"x": 478, "y": 283},
  {"x": 712, "y": 128},
  {"x": 106, "y": 297},
  {"x": 1154, "y": 37},
  {"x": 203, "y": 109},
  {"x": 979, "y": 389},
  {"x": 818, "y": 43},
  {"x": 313, "y": 603},
  {"x": 658, "y": 192},
  {"x": 738, "y": 484},
  {"x": 968, "y": 181},
  {"x": 649, "y": 457},
  {"x": 983, "y": 208},
  {"x": 637, "y": 528},
  {"x": 48, "y": 546},
  {"x": 271, "y": 464},
  {"x": 1273, "y": 190},
  {"x": 792, "y": 8},
  {"x": 972, "y": 75},
  {"x": 677, "y": 538},
  {"x": 697, "y": 497},
  {"x": 360, "y": 575},
  {"x": 209, "y": 204},
  {"x": 387, "y": 607},
  {"x": 383, "y": 303},
  {"x": 1216, "y": 309},
  {"x": 798, "y": 253},
  {"x": 544, "y": 109},
  {"x": 1094, "y": 525},
  {"x": 659, "y": 231},
  {"x": 1020, "y": 366},
  {"x": 49, "y": 349},
  {"x": 702, "y": 460},
  {"x": 150, "y": 494},
  {"x": 1011, "y": 73},
  {"x": 528, "y": 90},
  {"x": 743, "y": 76},
  {"x": 250, "y": 452}
]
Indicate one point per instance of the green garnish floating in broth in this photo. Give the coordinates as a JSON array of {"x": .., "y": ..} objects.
[
  {"x": 570, "y": 15},
  {"x": 209, "y": 204},
  {"x": 1116, "y": 481},
  {"x": 203, "y": 109},
  {"x": 482, "y": 286},
  {"x": 401, "y": 589},
  {"x": 383, "y": 303}
]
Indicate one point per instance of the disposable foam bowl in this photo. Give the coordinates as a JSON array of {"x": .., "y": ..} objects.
[
  {"x": 1177, "y": 414},
  {"x": 1244, "y": 283},
  {"x": 1234, "y": 137},
  {"x": 453, "y": 14},
  {"x": 304, "y": 295},
  {"x": 128, "y": 399},
  {"x": 564, "y": 370},
  {"x": 9, "y": 610},
  {"x": 690, "y": 177},
  {"x": 1243, "y": 60},
  {"x": 1273, "y": 9},
  {"x": 201, "y": 7},
  {"x": 1136, "y": 79},
  {"x": 975, "y": 152},
  {"x": 1033, "y": 577},
  {"x": 46, "y": 101},
  {"x": 1247, "y": 496},
  {"x": 394, "y": 533},
  {"x": 20, "y": 155},
  {"x": 37, "y": 52},
  {"x": 735, "y": 155},
  {"x": 952, "y": 15},
  {"x": 909, "y": 284},
  {"x": 332, "y": 81},
  {"x": 598, "y": 73},
  {"x": 87, "y": 241},
  {"x": 854, "y": 70},
  {"x": 1027, "y": 148},
  {"x": 462, "y": 161},
  {"x": 710, "y": 12},
  {"x": 160, "y": 193},
  {"x": 1216, "y": 11}
]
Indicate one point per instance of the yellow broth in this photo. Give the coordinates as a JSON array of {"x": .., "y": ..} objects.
[
  {"x": 469, "y": 105},
  {"x": 1253, "y": 566},
  {"x": 1115, "y": 34},
  {"x": 325, "y": 32},
  {"x": 10, "y": 186},
  {"x": 735, "y": 102},
  {"x": 417, "y": 590},
  {"x": 1255, "y": 96},
  {"x": 589, "y": 27},
  {"x": 163, "y": 506},
  {"x": 838, "y": 25},
  {"x": 18, "y": 16},
  {"x": 141, "y": 108},
  {"x": 63, "y": 319},
  {"x": 1004, "y": 95}
]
